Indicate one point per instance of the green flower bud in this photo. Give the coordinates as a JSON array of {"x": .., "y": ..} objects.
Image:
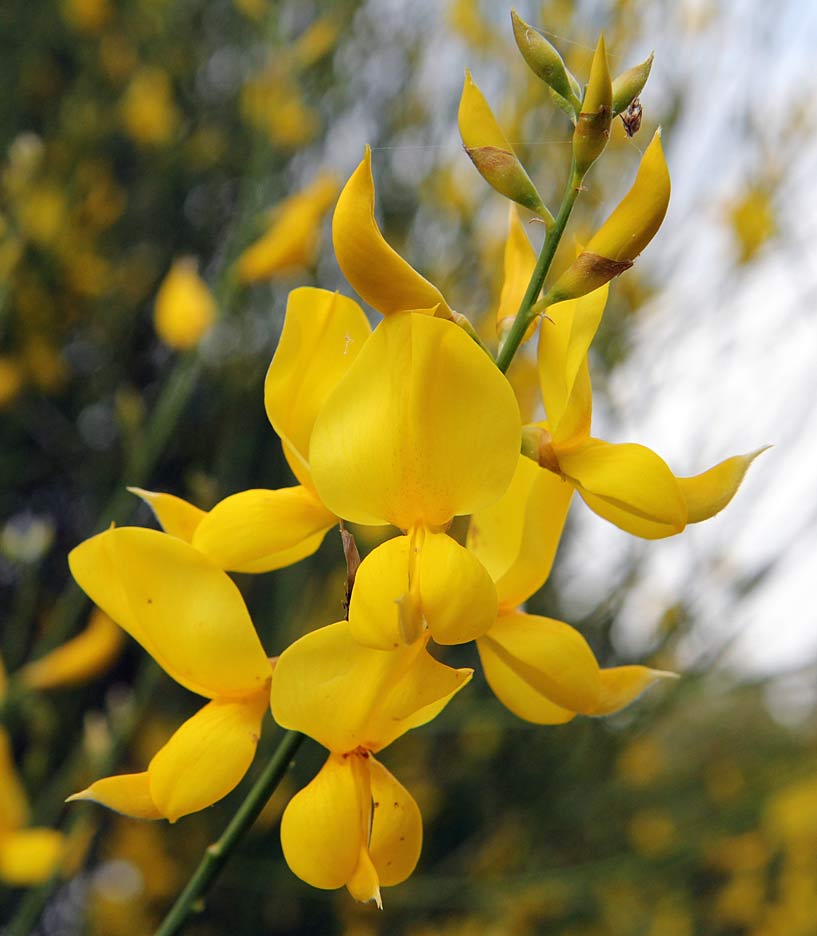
[
  {"x": 546, "y": 63},
  {"x": 629, "y": 84}
]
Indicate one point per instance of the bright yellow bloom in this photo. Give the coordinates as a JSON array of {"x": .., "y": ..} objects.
[
  {"x": 28, "y": 856},
  {"x": 541, "y": 669},
  {"x": 374, "y": 269},
  {"x": 627, "y": 484},
  {"x": 185, "y": 308},
  {"x": 422, "y": 428},
  {"x": 85, "y": 656},
  {"x": 292, "y": 236},
  {"x": 354, "y": 824},
  {"x": 261, "y": 530},
  {"x": 192, "y": 620},
  {"x": 519, "y": 262}
]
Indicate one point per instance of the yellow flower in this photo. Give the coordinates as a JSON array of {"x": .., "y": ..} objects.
[
  {"x": 421, "y": 428},
  {"x": 148, "y": 108},
  {"x": 627, "y": 484},
  {"x": 540, "y": 668},
  {"x": 519, "y": 262},
  {"x": 28, "y": 856},
  {"x": 261, "y": 530},
  {"x": 82, "y": 658},
  {"x": 185, "y": 308},
  {"x": 192, "y": 620},
  {"x": 292, "y": 236},
  {"x": 355, "y": 824}
]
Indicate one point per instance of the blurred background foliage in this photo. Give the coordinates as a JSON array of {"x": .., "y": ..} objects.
[{"x": 137, "y": 133}]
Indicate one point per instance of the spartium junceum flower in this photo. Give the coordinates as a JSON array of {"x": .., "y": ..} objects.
[
  {"x": 542, "y": 669},
  {"x": 192, "y": 620},
  {"x": 355, "y": 824}
]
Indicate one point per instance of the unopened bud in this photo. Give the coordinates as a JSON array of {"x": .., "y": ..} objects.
[
  {"x": 629, "y": 84},
  {"x": 593, "y": 127},
  {"x": 627, "y": 231},
  {"x": 545, "y": 62},
  {"x": 185, "y": 308},
  {"x": 491, "y": 152}
]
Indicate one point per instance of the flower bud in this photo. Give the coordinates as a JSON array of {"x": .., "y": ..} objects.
[
  {"x": 491, "y": 152},
  {"x": 629, "y": 84},
  {"x": 185, "y": 308},
  {"x": 627, "y": 231},
  {"x": 593, "y": 127},
  {"x": 545, "y": 62}
]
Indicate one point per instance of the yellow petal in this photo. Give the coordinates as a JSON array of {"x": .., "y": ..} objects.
[
  {"x": 551, "y": 657},
  {"x": 30, "y": 856},
  {"x": 345, "y": 695},
  {"x": 452, "y": 593},
  {"x": 636, "y": 219},
  {"x": 621, "y": 685},
  {"x": 457, "y": 594},
  {"x": 292, "y": 237},
  {"x": 14, "y": 810},
  {"x": 176, "y": 516},
  {"x": 374, "y": 269},
  {"x": 185, "y": 307},
  {"x": 128, "y": 794},
  {"x": 490, "y": 150},
  {"x": 322, "y": 335},
  {"x": 84, "y": 657},
  {"x": 593, "y": 125},
  {"x": 563, "y": 346},
  {"x": 519, "y": 261},
  {"x": 364, "y": 884},
  {"x": 627, "y": 484},
  {"x": 422, "y": 427},
  {"x": 516, "y": 538},
  {"x": 321, "y": 829},
  {"x": 184, "y": 611},
  {"x": 207, "y": 757},
  {"x": 516, "y": 693},
  {"x": 397, "y": 827},
  {"x": 708, "y": 493},
  {"x": 257, "y": 531}
]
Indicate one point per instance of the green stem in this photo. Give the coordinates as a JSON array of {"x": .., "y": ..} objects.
[
  {"x": 216, "y": 855},
  {"x": 525, "y": 314}
]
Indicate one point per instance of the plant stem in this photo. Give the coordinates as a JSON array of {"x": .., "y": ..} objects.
[
  {"x": 217, "y": 854},
  {"x": 524, "y": 316}
]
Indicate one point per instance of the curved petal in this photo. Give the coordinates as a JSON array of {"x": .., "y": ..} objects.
[
  {"x": 128, "y": 794},
  {"x": 185, "y": 612},
  {"x": 322, "y": 335},
  {"x": 259, "y": 530},
  {"x": 457, "y": 594},
  {"x": 516, "y": 693},
  {"x": 14, "y": 810},
  {"x": 207, "y": 756},
  {"x": 176, "y": 516},
  {"x": 373, "y": 268},
  {"x": 516, "y": 538},
  {"x": 322, "y": 827},
  {"x": 708, "y": 493},
  {"x": 381, "y": 600},
  {"x": 78, "y": 660},
  {"x": 621, "y": 685},
  {"x": 422, "y": 427},
  {"x": 563, "y": 345},
  {"x": 346, "y": 696},
  {"x": 519, "y": 261},
  {"x": 30, "y": 856},
  {"x": 397, "y": 827},
  {"x": 627, "y": 484},
  {"x": 549, "y": 656}
]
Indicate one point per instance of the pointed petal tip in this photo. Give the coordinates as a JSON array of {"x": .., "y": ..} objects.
[{"x": 82, "y": 796}]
